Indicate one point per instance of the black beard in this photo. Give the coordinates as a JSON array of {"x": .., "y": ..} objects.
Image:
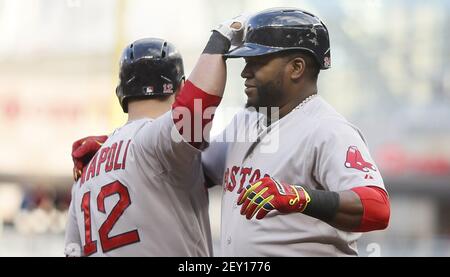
[{"x": 268, "y": 95}]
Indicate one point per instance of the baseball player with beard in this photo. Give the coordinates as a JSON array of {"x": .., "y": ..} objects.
[{"x": 305, "y": 185}]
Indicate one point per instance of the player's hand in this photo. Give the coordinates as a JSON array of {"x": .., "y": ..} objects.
[
  {"x": 233, "y": 29},
  {"x": 267, "y": 194},
  {"x": 82, "y": 152}
]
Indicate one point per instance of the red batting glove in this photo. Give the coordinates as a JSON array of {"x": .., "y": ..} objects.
[
  {"x": 267, "y": 194},
  {"x": 82, "y": 152}
]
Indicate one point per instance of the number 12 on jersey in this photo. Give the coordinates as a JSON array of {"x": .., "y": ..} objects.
[{"x": 107, "y": 243}]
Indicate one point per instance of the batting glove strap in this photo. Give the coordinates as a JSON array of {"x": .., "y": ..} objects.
[{"x": 302, "y": 198}]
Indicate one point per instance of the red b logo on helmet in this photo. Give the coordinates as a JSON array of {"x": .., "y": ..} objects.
[{"x": 356, "y": 161}]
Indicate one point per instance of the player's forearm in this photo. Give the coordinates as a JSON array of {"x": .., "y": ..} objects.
[
  {"x": 194, "y": 107},
  {"x": 361, "y": 209},
  {"x": 349, "y": 213},
  {"x": 210, "y": 74}
]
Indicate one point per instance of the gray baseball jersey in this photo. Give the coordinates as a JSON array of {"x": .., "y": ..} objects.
[
  {"x": 312, "y": 146},
  {"x": 142, "y": 194}
]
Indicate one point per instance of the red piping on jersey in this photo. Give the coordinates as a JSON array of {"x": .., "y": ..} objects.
[
  {"x": 185, "y": 99},
  {"x": 375, "y": 202}
]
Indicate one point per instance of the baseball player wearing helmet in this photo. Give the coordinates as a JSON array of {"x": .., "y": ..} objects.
[
  {"x": 143, "y": 192},
  {"x": 313, "y": 191},
  {"x": 316, "y": 188}
]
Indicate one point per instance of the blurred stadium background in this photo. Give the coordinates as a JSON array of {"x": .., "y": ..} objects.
[{"x": 58, "y": 70}]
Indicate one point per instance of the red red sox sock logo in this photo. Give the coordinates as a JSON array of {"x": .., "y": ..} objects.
[{"x": 356, "y": 161}]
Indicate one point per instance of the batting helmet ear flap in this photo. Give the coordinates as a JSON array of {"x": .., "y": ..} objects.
[{"x": 149, "y": 68}]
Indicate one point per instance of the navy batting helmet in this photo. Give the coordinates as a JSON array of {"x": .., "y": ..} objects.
[
  {"x": 149, "y": 67},
  {"x": 282, "y": 29}
]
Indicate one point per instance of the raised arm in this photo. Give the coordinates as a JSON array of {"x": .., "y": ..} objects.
[{"x": 194, "y": 107}]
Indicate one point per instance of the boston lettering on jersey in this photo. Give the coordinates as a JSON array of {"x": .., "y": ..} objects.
[
  {"x": 239, "y": 175},
  {"x": 109, "y": 157}
]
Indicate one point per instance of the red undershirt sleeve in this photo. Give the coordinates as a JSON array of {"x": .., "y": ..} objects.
[{"x": 192, "y": 112}]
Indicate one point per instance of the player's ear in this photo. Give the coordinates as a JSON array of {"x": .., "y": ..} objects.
[{"x": 297, "y": 67}]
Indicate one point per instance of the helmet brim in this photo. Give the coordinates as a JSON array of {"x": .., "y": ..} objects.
[
  {"x": 255, "y": 50},
  {"x": 252, "y": 50}
]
